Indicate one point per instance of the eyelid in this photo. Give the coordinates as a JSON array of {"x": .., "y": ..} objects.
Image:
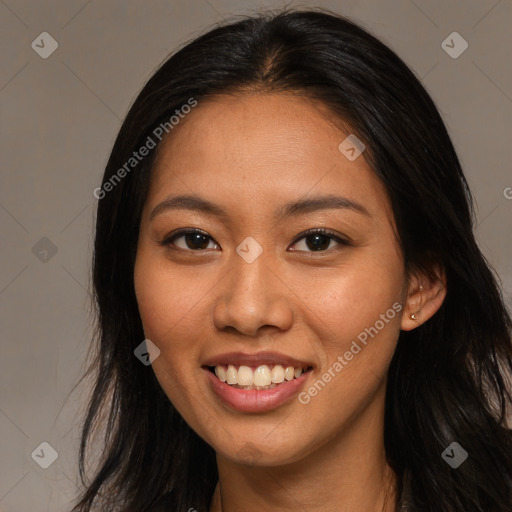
[
  {"x": 313, "y": 231},
  {"x": 181, "y": 232},
  {"x": 341, "y": 240}
]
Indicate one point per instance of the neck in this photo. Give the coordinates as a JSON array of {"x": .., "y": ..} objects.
[{"x": 349, "y": 473}]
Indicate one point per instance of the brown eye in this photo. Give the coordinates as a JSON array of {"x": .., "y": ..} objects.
[
  {"x": 193, "y": 239},
  {"x": 319, "y": 240}
]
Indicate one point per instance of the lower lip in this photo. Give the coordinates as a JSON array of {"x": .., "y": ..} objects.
[{"x": 256, "y": 400}]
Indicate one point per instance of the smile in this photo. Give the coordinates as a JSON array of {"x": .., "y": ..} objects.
[
  {"x": 252, "y": 398},
  {"x": 256, "y": 377}
]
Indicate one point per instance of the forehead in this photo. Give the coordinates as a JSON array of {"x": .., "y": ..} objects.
[{"x": 260, "y": 149}]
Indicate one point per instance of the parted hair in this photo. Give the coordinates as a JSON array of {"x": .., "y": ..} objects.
[{"x": 449, "y": 379}]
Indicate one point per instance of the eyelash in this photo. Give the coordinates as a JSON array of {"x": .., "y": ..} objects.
[{"x": 168, "y": 241}]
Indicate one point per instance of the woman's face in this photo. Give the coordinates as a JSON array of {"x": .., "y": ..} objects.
[{"x": 253, "y": 291}]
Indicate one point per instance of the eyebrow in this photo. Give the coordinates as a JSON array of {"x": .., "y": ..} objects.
[{"x": 293, "y": 208}]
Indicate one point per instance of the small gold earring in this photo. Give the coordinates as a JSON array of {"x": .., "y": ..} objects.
[{"x": 414, "y": 317}]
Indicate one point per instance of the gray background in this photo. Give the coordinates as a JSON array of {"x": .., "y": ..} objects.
[{"x": 59, "y": 118}]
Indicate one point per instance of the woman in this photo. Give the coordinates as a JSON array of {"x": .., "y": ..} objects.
[{"x": 293, "y": 310}]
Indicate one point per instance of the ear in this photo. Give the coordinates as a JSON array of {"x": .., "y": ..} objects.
[{"x": 425, "y": 295}]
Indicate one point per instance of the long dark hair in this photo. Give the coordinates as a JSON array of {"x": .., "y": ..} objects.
[{"x": 448, "y": 378}]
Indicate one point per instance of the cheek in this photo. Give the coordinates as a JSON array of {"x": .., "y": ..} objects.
[
  {"x": 357, "y": 310},
  {"x": 167, "y": 312},
  {"x": 354, "y": 298},
  {"x": 165, "y": 299}
]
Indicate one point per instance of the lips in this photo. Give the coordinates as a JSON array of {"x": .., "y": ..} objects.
[
  {"x": 256, "y": 359},
  {"x": 253, "y": 400},
  {"x": 263, "y": 398}
]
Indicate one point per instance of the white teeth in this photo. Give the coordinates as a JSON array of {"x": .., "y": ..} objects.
[
  {"x": 289, "y": 373},
  {"x": 245, "y": 376},
  {"x": 231, "y": 375},
  {"x": 261, "y": 378},
  {"x": 221, "y": 373},
  {"x": 277, "y": 374}
]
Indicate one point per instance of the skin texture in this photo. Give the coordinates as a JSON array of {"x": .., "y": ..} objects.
[{"x": 251, "y": 154}]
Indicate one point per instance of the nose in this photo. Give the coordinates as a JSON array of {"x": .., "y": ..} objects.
[{"x": 253, "y": 298}]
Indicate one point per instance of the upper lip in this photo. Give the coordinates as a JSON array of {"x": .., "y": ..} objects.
[{"x": 256, "y": 359}]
